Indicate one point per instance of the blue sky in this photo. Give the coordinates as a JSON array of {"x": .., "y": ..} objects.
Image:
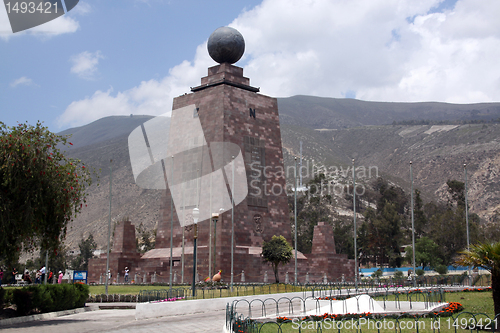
[{"x": 109, "y": 57}]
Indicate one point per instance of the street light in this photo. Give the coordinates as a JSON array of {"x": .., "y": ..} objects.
[
  {"x": 295, "y": 216},
  {"x": 467, "y": 216},
  {"x": 355, "y": 230},
  {"x": 109, "y": 225},
  {"x": 413, "y": 229},
  {"x": 196, "y": 215},
  {"x": 232, "y": 225},
  {"x": 215, "y": 236}
]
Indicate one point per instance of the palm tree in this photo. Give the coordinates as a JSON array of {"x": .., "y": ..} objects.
[{"x": 487, "y": 256}]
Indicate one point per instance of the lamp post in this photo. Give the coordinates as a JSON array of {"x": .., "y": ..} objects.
[
  {"x": 355, "y": 230},
  {"x": 215, "y": 236},
  {"x": 295, "y": 215},
  {"x": 109, "y": 225},
  {"x": 196, "y": 215},
  {"x": 467, "y": 215},
  {"x": 412, "y": 228},
  {"x": 171, "y": 227},
  {"x": 232, "y": 225},
  {"x": 210, "y": 232}
]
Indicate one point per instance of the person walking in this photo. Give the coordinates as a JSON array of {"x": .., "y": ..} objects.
[
  {"x": 59, "y": 280},
  {"x": 126, "y": 274},
  {"x": 1, "y": 276},
  {"x": 42, "y": 274},
  {"x": 14, "y": 273}
]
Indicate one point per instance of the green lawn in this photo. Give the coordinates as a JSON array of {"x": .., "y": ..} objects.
[
  {"x": 130, "y": 289},
  {"x": 474, "y": 302},
  {"x": 200, "y": 293}
]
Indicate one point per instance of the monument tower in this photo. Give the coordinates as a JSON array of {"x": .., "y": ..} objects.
[
  {"x": 230, "y": 111},
  {"x": 218, "y": 153}
]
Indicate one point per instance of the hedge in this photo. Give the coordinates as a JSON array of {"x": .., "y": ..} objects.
[{"x": 50, "y": 298}]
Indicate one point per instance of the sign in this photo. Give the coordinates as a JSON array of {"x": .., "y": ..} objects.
[{"x": 80, "y": 276}]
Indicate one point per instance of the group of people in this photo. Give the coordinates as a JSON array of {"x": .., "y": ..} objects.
[
  {"x": 27, "y": 277},
  {"x": 125, "y": 275},
  {"x": 40, "y": 276}
]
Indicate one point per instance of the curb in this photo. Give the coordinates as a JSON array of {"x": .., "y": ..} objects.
[
  {"x": 25, "y": 319},
  {"x": 117, "y": 307}
]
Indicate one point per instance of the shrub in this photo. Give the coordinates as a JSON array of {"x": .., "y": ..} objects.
[
  {"x": 8, "y": 297},
  {"x": 378, "y": 273},
  {"x": 82, "y": 293},
  {"x": 2, "y": 297},
  {"x": 398, "y": 274},
  {"x": 419, "y": 272},
  {"x": 50, "y": 297},
  {"x": 441, "y": 269},
  {"x": 23, "y": 300}
]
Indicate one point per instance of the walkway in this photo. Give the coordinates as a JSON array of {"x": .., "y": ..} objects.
[{"x": 122, "y": 321}]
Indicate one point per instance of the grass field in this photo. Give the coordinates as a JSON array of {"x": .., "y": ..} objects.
[
  {"x": 473, "y": 302},
  {"x": 238, "y": 290}
]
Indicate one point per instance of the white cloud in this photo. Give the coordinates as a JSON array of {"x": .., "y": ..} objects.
[
  {"x": 22, "y": 81},
  {"x": 83, "y": 8},
  {"x": 383, "y": 50},
  {"x": 61, "y": 25},
  {"x": 153, "y": 97},
  {"x": 85, "y": 64}
]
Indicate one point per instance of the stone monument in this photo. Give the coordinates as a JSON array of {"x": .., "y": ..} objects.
[
  {"x": 224, "y": 149},
  {"x": 230, "y": 110}
]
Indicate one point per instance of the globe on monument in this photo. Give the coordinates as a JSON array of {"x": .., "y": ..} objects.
[{"x": 226, "y": 45}]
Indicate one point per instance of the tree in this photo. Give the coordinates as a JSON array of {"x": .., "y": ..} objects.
[
  {"x": 276, "y": 251},
  {"x": 383, "y": 238},
  {"x": 419, "y": 215},
  {"x": 146, "y": 239},
  {"x": 41, "y": 190},
  {"x": 87, "y": 247},
  {"x": 449, "y": 231},
  {"x": 427, "y": 253},
  {"x": 457, "y": 191},
  {"x": 310, "y": 210},
  {"x": 487, "y": 256}
]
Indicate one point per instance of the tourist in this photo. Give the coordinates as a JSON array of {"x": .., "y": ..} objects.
[
  {"x": 1, "y": 276},
  {"x": 59, "y": 280},
  {"x": 27, "y": 277},
  {"x": 42, "y": 274},
  {"x": 14, "y": 273},
  {"x": 126, "y": 274},
  {"x": 109, "y": 276}
]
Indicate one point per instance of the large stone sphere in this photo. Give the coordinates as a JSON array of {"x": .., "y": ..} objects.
[{"x": 226, "y": 45}]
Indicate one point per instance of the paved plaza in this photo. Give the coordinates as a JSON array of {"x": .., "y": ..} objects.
[
  {"x": 122, "y": 321},
  {"x": 206, "y": 318}
]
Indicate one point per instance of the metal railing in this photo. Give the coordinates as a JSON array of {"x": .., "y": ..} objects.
[
  {"x": 254, "y": 315},
  {"x": 339, "y": 288}
]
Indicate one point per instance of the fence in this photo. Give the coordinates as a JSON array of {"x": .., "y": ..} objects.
[
  {"x": 254, "y": 316},
  {"x": 103, "y": 298},
  {"x": 207, "y": 290},
  {"x": 146, "y": 279},
  {"x": 462, "y": 322},
  {"x": 343, "y": 287}
]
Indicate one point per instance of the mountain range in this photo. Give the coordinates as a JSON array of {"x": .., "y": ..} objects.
[{"x": 382, "y": 137}]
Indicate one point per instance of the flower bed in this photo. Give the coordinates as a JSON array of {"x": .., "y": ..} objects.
[
  {"x": 173, "y": 299},
  {"x": 452, "y": 308}
]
